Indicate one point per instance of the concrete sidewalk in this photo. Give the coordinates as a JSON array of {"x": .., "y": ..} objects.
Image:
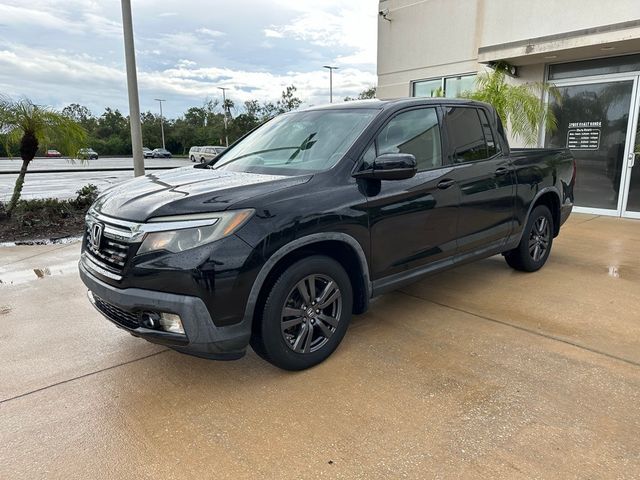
[{"x": 477, "y": 372}]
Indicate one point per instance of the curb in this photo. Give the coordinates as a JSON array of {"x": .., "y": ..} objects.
[{"x": 43, "y": 241}]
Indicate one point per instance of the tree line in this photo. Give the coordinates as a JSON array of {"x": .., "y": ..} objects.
[{"x": 109, "y": 133}]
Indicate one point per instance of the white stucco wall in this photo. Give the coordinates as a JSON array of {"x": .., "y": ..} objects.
[
  {"x": 426, "y": 38},
  {"x": 511, "y": 20},
  {"x": 433, "y": 38}
]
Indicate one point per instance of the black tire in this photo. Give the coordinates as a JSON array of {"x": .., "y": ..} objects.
[
  {"x": 201, "y": 159},
  {"x": 535, "y": 245},
  {"x": 193, "y": 159},
  {"x": 282, "y": 346}
]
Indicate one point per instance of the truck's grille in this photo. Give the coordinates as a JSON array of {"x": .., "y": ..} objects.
[
  {"x": 124, "y": 318},
  {"x": 108, "y": 252}
]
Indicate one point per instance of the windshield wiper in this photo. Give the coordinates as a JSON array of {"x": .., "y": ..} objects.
[{"x": 306, "y": 144}]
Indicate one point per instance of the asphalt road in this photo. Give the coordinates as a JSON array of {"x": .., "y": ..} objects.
[
  {"x": 478, "y": 372},
  {"x": 64, "y": 185}
]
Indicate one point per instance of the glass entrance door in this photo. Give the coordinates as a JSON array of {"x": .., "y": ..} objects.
[
  {"x": 632, "y": 187},
  {"x": 594, "y": 121}
]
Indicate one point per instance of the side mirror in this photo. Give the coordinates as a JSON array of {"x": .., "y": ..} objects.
[{"x": 390, "y": 166}]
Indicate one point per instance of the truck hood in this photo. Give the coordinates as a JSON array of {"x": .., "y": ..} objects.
[{"x": 187, "y": 190}]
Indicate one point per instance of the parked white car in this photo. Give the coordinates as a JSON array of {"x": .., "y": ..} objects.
[
  {"x": 206, "y": 153},
  {"x": 194, "y": 153}
]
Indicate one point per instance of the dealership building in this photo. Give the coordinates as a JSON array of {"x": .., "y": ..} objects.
[{"x": 588, "y": 49}]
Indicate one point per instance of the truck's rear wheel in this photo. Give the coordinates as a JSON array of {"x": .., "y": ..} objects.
[
  {"x": 535, "y": 245},
  {"x": 306, "y": 314}
]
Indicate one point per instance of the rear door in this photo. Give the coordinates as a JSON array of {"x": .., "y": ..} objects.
[
  {"x": 485, "y": 178},
  {"x": 413, "y": 221}
]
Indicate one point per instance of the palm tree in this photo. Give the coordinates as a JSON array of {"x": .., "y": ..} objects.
[
  {"x": 27, "y": 125},
  {"x": 520, "y": 107}
]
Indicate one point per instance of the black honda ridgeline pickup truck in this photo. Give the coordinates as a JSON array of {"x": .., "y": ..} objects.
[{"x": 280, "y": 239}]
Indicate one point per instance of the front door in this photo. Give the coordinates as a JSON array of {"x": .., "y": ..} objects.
[
  {"x": 597, "y": 121},
  {"x": 413, "y": 221}
]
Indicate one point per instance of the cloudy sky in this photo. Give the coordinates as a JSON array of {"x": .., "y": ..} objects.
[{"x": 58, "y": 52}]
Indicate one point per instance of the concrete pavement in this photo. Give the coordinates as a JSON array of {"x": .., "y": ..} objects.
[{"x": 477, "y": 372}]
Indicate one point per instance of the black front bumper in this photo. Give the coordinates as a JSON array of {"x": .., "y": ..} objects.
[{"x": 203, "y": 338}]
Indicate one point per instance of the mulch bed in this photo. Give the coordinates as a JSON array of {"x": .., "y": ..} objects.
[
  {"x": 46, "y": 219},
  {"x": 14, "y": 231}
]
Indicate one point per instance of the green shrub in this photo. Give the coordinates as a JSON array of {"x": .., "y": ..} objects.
[
  {"x": 51, "y": 211},
  {"x": 86, "y": 196}
]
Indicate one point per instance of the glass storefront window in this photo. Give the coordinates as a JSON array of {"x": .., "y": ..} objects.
[
  {"x": 428, "y": 88},
  {"x": 450, "y": 87},
  {"x": 454, "y": 86},
  {"x": 596, "y": 66}
]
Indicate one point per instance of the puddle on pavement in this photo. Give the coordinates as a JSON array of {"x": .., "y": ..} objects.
[
  {"x": 18, "y": 277},
  {"x": 614, "y": 271}
]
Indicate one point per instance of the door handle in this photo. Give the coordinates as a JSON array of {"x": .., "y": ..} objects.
[
  {"x": 632, "y": 159},
  {"x": 445, "y": 183},
  {"x": 501, "y": 171}
]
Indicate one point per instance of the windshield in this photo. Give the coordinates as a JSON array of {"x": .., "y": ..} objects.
[{"x": 299, "y": 142}]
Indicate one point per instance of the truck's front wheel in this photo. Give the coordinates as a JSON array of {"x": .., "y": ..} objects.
[
  {"x": 535, "y": 245},
  {"x": 306, "y": 314}
]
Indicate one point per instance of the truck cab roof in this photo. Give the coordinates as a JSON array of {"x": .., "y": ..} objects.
[{"x": 395, "y": 103}]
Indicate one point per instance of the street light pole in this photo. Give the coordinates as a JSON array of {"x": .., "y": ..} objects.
[
  {"x": 224, "y": 109},
  {"x": 160, "y": 100},
  {"x": 132, "y": 86},
  {"x": 331, "y": 69}
]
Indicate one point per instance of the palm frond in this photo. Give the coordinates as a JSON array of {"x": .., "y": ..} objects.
[
  {"x": 520, "y": 107},
  {"x": 27, "y": 125},
  {"x": 23, "y": 117}
]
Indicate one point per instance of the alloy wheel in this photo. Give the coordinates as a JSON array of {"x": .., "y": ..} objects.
[
  {"x": 539, "y": 238},
  {"x": 311, "y": 313}
]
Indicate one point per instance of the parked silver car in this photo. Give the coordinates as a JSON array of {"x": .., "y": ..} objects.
[{"x": 161, "y": 153}]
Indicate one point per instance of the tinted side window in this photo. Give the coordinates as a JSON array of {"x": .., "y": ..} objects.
[
  {"x": 466, "y": 134},
  {"x": 416, "y": 132},
  {"x": 492, "y": 145}
]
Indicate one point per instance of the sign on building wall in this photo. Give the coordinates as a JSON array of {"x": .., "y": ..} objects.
[{"x": 584, "y": 135}]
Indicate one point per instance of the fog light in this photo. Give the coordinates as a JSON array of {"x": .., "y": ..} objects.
[{"x": 171, "y": 322}]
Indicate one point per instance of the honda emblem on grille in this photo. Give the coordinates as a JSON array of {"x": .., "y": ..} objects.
[{"x": 96, "y": 235}]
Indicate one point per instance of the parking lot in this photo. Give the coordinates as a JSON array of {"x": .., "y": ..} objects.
[
  {"x": 479, "y": 371},
  {"x": 70, "y": 176}
]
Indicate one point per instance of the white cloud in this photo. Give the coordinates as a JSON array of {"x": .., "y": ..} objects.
[
  {"x": 270, "y": 33},
  {"x": 333, "y": 24},
  {"x": 63, "y": 51},
  {"x": 183, "y": 83},
  {"x": 183, "y": 63},
  {"x": 210, "y": 33},
  {"x": 17, "y": 15},
  {"x": 47, "y": 16}
]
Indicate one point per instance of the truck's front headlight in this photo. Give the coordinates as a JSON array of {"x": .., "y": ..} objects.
[{"x": 182, "y": 232}]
